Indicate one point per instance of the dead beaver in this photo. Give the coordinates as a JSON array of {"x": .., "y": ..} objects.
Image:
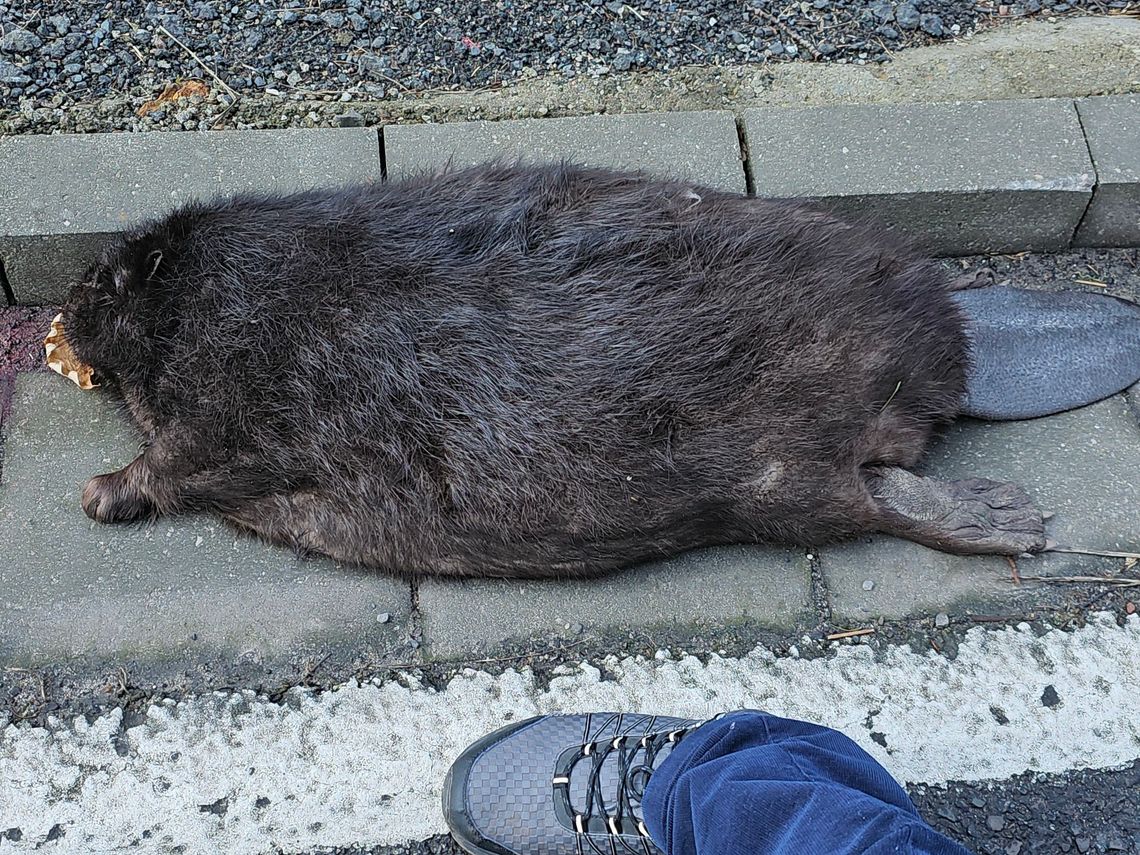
[{"x": 547, "y": 371}]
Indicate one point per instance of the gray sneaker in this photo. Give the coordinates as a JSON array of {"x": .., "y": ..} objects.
[{"x": 560, "y": 785}]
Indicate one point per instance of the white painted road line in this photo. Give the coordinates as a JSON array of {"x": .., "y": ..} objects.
[{"x": 365, "y": 764}]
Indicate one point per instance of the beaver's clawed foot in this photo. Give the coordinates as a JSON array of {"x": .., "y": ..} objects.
[
  {"x": 113, "y": 498},
  {"x": 971, "y": 517}
]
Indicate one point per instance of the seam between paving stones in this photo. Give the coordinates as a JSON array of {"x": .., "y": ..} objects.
[
  {"x": 1096, "y": 175},
  {"x": 820, "y": 595},
  {"x": 416, "y": 638},
  {"x": 384, "y": 153},
  {"x": 742, "y": 146},
  {"x": 9, "y": 294}
]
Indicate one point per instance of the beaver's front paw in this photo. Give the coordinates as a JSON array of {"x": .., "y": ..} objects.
[{"x": 112, "y": 498}]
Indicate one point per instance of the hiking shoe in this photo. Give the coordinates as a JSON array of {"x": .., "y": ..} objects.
[{"x": 560, "y": 785}]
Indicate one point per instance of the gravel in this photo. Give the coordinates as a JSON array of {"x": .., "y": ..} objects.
[
  {"x": 20, "y": 41},
  {"x": 57, "y": 53},
  {"x": 931, "y": 25},
  {"x": 1080, "y": 811},
  {"x": 907, "y": 16}
]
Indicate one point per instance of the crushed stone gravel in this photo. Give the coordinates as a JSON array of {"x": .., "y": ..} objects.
[
  {"x": 59, "y": 53},
  {"x": 1083, "y": 810}
]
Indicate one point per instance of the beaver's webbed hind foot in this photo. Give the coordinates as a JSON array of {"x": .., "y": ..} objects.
[{"x": 970, "y": 517}]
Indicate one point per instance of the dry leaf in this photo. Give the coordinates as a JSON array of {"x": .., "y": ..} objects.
[
  {"x": 61, "y": 358},
  {"x": 175, "y": 92}
]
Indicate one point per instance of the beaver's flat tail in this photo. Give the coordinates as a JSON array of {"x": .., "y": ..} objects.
[{"x": 1035, "y": 353}]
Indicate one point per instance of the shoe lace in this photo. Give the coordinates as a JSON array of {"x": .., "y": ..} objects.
[{"x": 636, "y": 759}]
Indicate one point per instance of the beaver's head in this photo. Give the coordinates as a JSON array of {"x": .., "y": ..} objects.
[{"x": 114, "y": 319}]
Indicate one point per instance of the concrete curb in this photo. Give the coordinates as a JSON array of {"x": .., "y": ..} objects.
[
  {"x": 66, "y": 194},
  {"x": 701, "y": 146},
  {"x": 965, "y": 177},
  {"x": 1112, "y": 128},
  {"x": 187, "y": 588},
  {"x": 961, "y": 178}
]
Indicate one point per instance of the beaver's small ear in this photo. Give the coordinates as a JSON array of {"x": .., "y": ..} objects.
[
  {"x": 152, "y": 262},
  {"x": 135, "y": 275}
]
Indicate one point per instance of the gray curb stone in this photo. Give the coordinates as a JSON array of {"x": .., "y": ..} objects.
[
  {"x": 188, "y": 589},
  {"x": 64, "y": 195},
  {"x": 711, "y": 587},
  {"x": 1112, "y": 128},
  {"x": 962, "y": 178},
  {"x": 972, "y": 177},
  {"x": 696, "y": 146},
  {"x": 1082, "y": 465}
]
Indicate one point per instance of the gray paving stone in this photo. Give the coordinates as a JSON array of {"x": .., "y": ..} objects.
[
  {"x": 1112, "y": 128},
  {"x": 187, "y": 588},
  {"x": 1082, "y": 465},
  {"x": 702, "y": 588},
  {"x": 63, "y": 195},
  {"x": 997, "y": 176},
  {"x": 697, "y": 146}
]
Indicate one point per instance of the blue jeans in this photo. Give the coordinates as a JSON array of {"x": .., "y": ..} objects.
[{"x": 755, "y": 784}]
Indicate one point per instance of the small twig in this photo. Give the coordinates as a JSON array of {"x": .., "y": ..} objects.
[
  {"x": 1102, "y": 553},
  {"x": 790, "y": 33},
  {"x": 850, "y": 633},
  {"x": 225, "y": 114},
  {"x": 392, "y": 80},
  {"x": 1091, "y": 282},
  {"x": 311, "y": 668},
  {"x": 1013, "y": 570},
  {"x": 996, "y": 618},
  {"x": 1114, "y": 581},
  {"x": 198, "y": 60}
]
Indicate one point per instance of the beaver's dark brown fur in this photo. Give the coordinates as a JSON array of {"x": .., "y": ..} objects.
[{"x": 518, "y": 371}]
